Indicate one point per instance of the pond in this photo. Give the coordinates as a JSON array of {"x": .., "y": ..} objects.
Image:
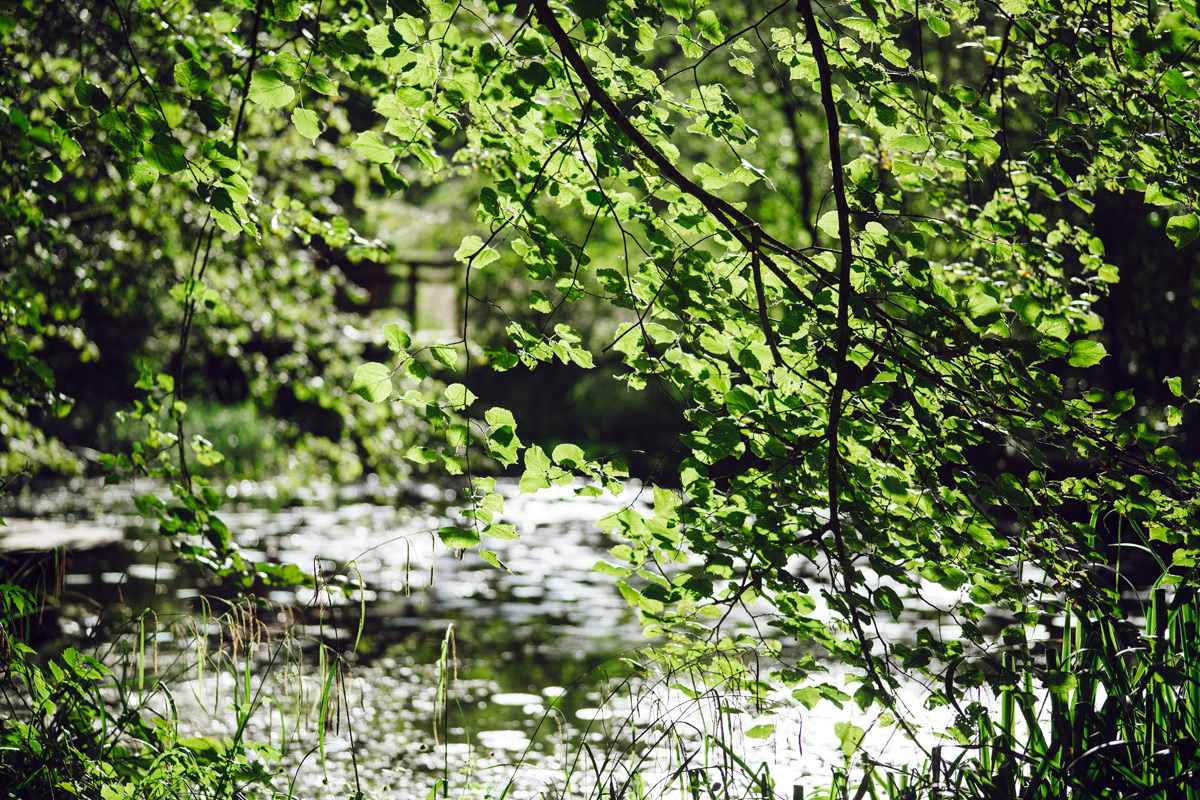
[{"x": 449, "y": 670}]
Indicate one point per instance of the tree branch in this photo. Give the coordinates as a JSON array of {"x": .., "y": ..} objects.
[
  {"x": 737, "y": 222},
  {"x": 838, "y": 391}
]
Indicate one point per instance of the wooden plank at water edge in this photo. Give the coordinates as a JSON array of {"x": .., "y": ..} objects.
[{"x": 47, "y": 534}]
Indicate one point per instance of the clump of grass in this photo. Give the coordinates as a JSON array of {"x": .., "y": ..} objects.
[
  {"x": 107, "y": 725},
  {"x": 71, "y": 727},
  {"x": 1112, "y": 712},
  {"x": 1116, "y": 715}
]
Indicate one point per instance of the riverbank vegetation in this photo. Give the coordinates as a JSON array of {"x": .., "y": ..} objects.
[{"x": 891, "y": 305}]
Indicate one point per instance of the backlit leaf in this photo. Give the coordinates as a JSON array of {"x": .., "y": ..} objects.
[
  {"x": 143, "y": 175},
  {"x": 165, "y": 153},
  {"x": 1183, "y": 229},
  {"x": 459, "y": 396},
  {"x": 372, "y": 381},
  {"x": 458, "y": 538},
  {"x": 911, "y": 142},
  {"x": 501, "y": 531},
  {"x": 760, "y": 732},
  {"x": 320, "y": 83},
  {"x": 192, "y": 78},
  {"x": 492, "y": 558},
  {"x": 397, "y": 338},
  {"x": 710, "y": 26},
  {"x": 286, "y": 10},
  {"x": 269, "y": 90},
  {"x": 306, "y": 123},
  {"x": 1086, "y": 353},
  {"x": 371, "y": 147}
]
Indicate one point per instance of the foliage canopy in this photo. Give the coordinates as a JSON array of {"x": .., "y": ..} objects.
[{"x": 855, "y": 239}]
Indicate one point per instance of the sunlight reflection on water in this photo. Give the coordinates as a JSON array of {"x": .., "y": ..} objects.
[{"x": 551, "y": 608}]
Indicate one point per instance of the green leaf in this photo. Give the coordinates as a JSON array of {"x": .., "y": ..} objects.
[
  {"x": 746, "y": 67},
  {"x": 1060, "y": 683},
  {"x": 829, "y": 223},
  {"x": 710, "y": 26},
  {"x": 209, "y": 457},
  {"x": 590, "y": 9},
  {"x": 470, "y": 246},
  {"x": 501, "y": 531},
  {"x": 499, "y": 418},
  {"x": 227, "y": 222},
  {"x": 1086, "y": 353},
  {"x": 1183, "y": 229},
  {"x": 532, "y": 480},
  {"x": 539, "y": 302},
  {"x": 391, "y": 181},
  {"x": 320, "y": 83},
  {"x": 165, "y": 153},
  {"x": 459, "y": 396},
  {"x": 492, "y": 558},
  {"x": 397, "y": 338},
  {"x": 887, "y": 599},
  {"x": 894, "y": 55},
  {"x": 445, "y": 354},
  {"x": 269, "y": 90},
  {"x": 371, "y": 147},
  {"x": 536, "y": 459},
  {"x": 415, "y": 370},
  {"x": 983, "y": 308},
  {"x": 809, "y": 696},
  {"x": 458, "y": 538},
  {"x": 306, "y": 123},
  {"x": 1180, "y": 85},
  {"x": 938, "y": 26},
  {"x": 1055, "y": 327},
  {"x": 143, "y": 176},
  {"x": 68, "y": 148},
  {"x": 286, "y": 10},
  {"x": 372, "y": 381},
  {"x": 91, "y": 96},
  {"x": 192, "y": 78},
  {"x": 760, "y": 732},
  {"x": 211, "y": 111},
  {"x": 203, "y": 745},
  {"x": 638, "y": 599},
  {"x": 610, "y": 569},
  {"x": 50, "y": 171},
  {"x": 910, "y": 142},
  {"x": 1176, "y": 386},
  {"x": 383, "y": 40},
  {"x": 569, "y": 455},
  {"x": 679, "y": 9},
  {"x": 1168, "y": 455},
  {"x": 421, "y": 455},
  {"x": 986, "y": 150},
  {"x": 851, "y": 737}
]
